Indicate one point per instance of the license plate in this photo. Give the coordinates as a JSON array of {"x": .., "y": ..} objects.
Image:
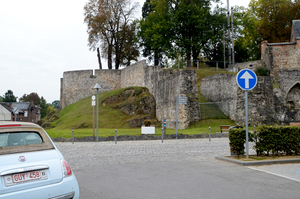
[{"x": 25, "y": 177}]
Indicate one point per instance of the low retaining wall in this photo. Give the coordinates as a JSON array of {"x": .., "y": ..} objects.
[{"x": 140, "y": 137}]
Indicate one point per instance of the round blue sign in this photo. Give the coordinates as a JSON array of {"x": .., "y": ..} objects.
[{"x": 246, "y": 79}]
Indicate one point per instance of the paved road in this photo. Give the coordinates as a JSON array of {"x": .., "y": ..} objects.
[{"x": 173, "y": 169}]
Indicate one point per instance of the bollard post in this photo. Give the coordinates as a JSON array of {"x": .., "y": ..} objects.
[
  {"x": 209, "y": 134},
  {"x": 115, "y": 136},
  {"x": 73, "y": 136},
  {"x": 162, "y": 135}
]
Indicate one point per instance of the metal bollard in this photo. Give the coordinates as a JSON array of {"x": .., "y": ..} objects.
[
  {"x": 73, "y": 136},
  {"x": 209, "y": 134},
  {"x": 115, "y": 136},
  {"x": 162, "y": 135}
]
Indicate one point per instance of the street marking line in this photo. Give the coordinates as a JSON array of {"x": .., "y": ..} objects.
[{"x": 275, "y": 174}]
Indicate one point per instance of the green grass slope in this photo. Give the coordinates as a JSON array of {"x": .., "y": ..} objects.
[{"x": 80, "y": 114}]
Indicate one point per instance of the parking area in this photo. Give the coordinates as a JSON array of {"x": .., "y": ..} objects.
[{"x": 173, "y": 169}]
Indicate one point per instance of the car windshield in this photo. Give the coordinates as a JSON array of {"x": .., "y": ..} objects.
[{"x": 19, "y": 138}]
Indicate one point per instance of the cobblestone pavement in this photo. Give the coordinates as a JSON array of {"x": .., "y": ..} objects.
[{"x": 81, "y": 154}]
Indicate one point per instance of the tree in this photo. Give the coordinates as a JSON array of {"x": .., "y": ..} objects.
[
  {"x": 185, "y": 28},
  {"x": 1, "y": 99},
  {"x": 130, "y": 51},
  {"x": 56, "y": 104},
  {"x": 269, "y": 20},
  {"x": 44, "y": 107},
  {"x": 275, "y": 19},
  {"x": 107, "y": 24},
  {"x": 31, "y": 97},
  {"x": 9, "y": 97}
]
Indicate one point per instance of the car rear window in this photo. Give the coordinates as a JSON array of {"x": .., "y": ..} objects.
[
  {"x": 19, "y": 138},
  {"x": 23, "y": 141}
]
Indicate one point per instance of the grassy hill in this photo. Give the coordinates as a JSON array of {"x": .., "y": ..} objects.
[{"x": 113, "y": 106}]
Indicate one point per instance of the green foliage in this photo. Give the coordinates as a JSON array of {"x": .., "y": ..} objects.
[
  {"x": 237, "y": 139},
  {"x": 56, "y": 104},
  {"x": 268, "y": 140},
  {"x": 9, "y": 97},
  {"x": 31, "y": 97},
  {"x": 278, "y": 139},
  {"x": 269, "y": 20},
  {"x": 1, "y": 99},
  {"x": 262, "y": 71},
  {"x": 44, "y": 107}
]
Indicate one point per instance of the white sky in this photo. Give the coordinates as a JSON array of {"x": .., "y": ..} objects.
[{"x": 39, "y": 40}]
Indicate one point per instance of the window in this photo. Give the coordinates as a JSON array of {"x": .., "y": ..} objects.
[{"x": 19, "y": 138}]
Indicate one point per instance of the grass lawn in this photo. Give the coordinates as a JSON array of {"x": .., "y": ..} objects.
[
  {"x": 259, "y": 158},
  {"x": 197, "y": 128}
]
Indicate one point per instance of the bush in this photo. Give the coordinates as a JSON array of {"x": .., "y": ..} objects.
[
  {"x": 237, "y": 139},
  {"x": 268, "y": 139},
  {"x": 262, "y": 71},
  {"x": 149, "y": 122}
]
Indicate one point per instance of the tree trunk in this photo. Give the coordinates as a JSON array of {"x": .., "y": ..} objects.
[
  {"x": 99, "y": 58},
  {"x": 195, "y": 57},
  {"x": 156, "y": 61},
  {"x": 109, "y": 57},
  {"x": 188, "y": 59}
]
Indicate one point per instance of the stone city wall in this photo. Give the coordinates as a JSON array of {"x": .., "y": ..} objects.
[
  {"x": 281, "y": 56},
  {"x": 267, "y": 102},
  {"x": 163, "y": 84}
]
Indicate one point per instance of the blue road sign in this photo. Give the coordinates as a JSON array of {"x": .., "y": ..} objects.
[{"x": 246, "y": 79}]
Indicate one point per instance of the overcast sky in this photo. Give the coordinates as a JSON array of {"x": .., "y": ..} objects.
[{"x": 40, "y": 39}]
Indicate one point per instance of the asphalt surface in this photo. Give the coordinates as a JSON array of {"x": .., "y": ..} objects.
[{"x": 173, "y": 169}]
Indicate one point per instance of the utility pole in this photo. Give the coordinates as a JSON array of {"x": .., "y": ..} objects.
[
  {"x": 228, "y": 28},
  {"x": 232, "y": 39},
  {"x": 224, "y": 48}
]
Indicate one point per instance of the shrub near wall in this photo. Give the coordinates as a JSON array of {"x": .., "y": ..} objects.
[
  {"x": 268, "y": 139},
  {"x": 277, "y": 139},
  {"x": 237, "y": 139}
]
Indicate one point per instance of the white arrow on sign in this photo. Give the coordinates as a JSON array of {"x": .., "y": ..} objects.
[{"x": 246, "y": 76}]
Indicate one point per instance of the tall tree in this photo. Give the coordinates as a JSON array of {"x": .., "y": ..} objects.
[
  {"x": 31, "y": 97},
  {"x": 269, "y": 20},
  {"x": 175, "y": 28},
  {"x": 44, "y": 107},
  {"x": 107, "y": 22},
  {"x": 9, "y": 97}
]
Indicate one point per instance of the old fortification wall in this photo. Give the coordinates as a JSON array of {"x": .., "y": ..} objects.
[
  {"x": 165, "y": 85},
  {"x": 76, "y": 85},
  {"x": 267, "y": 102}
]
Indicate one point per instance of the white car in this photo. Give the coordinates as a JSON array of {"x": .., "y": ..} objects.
[{"x": 31, "y": 166}]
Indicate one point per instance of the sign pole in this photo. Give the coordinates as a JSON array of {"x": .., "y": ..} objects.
[
  {"x": 176, "y": 117},
  {"x": 246, "y": 80},
  {"x": 246, "y": 114},
  {"x": 93, "y": 121},
  {"x": 97, "y": 86}
]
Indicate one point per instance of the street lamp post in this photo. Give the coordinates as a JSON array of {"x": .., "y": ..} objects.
[{"x": 97, "y": 86}]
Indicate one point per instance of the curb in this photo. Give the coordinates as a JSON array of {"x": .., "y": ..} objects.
[{"x": 257, "y": 163}]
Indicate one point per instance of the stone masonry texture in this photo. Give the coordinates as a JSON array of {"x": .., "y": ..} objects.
[{"x": 163, "y": 84}]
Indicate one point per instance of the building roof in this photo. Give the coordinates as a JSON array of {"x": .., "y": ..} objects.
[
  {"x": 22, "y": 106},
  {"x": 296, "y": 25},
  {"x": 6, "y": 106}
]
